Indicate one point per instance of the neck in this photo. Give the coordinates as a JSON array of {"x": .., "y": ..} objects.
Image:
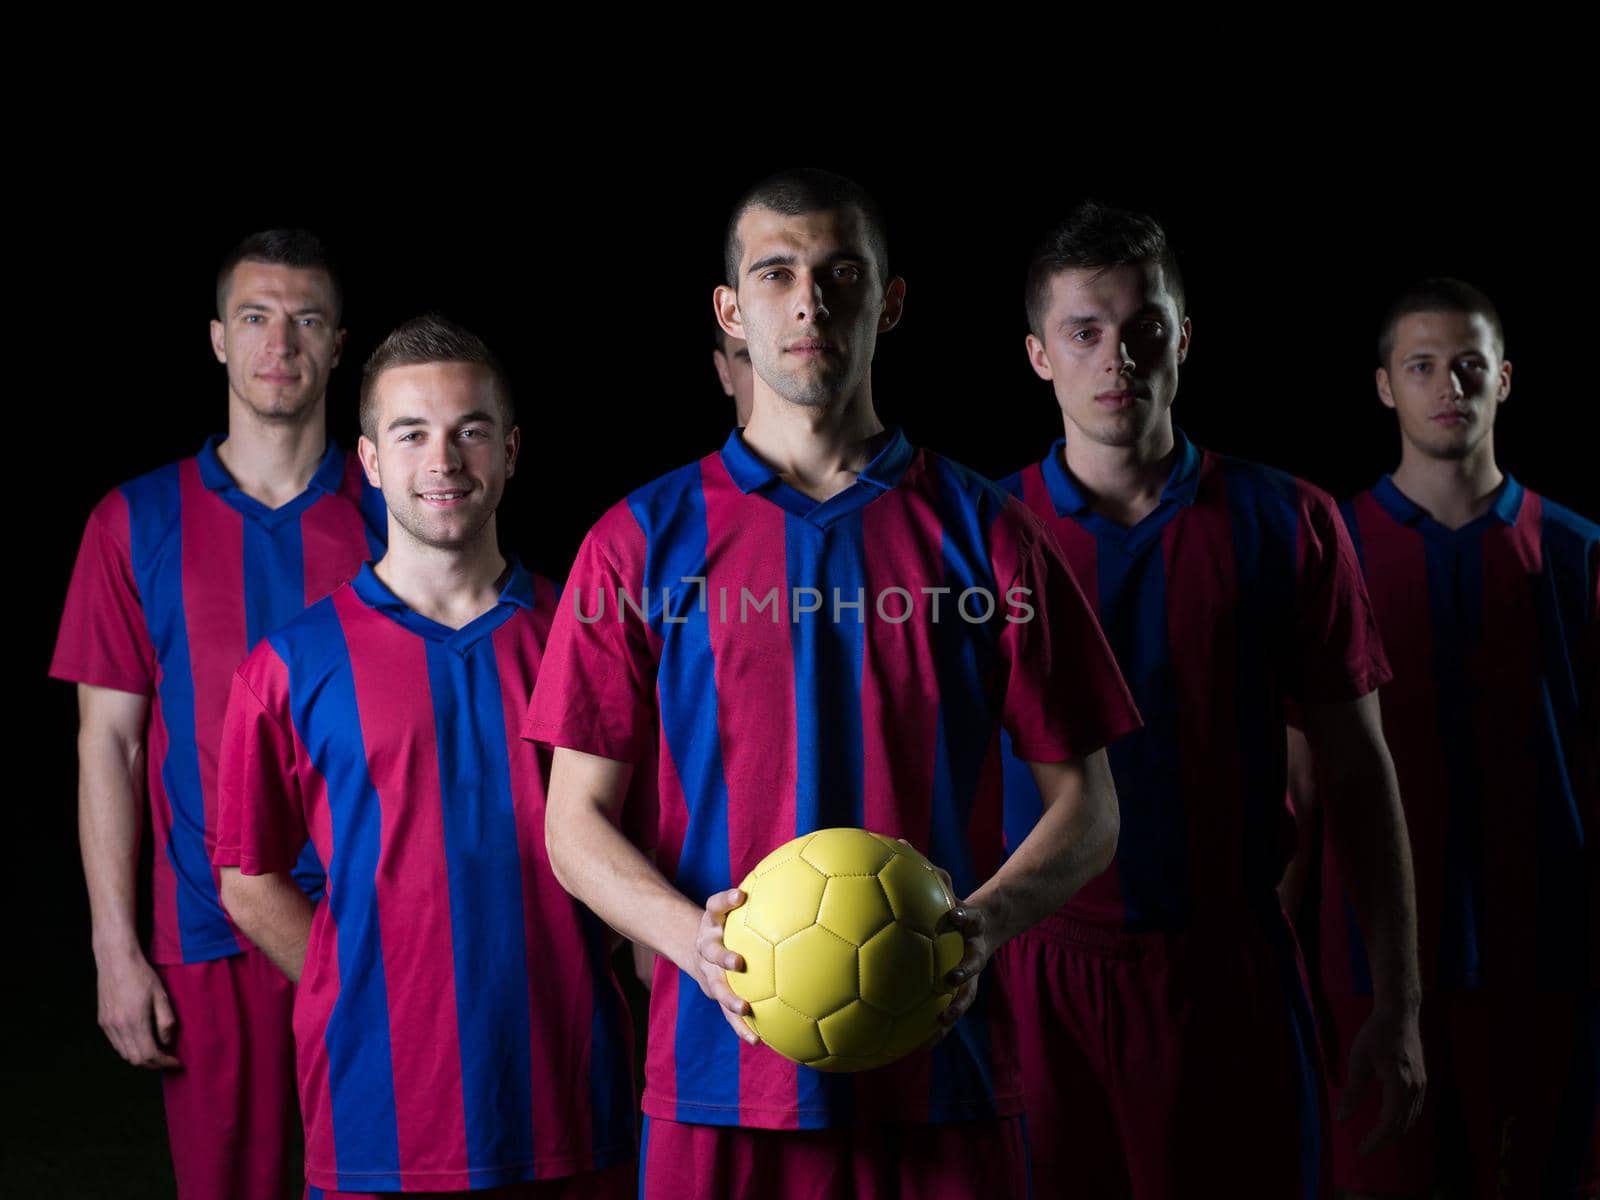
[
  {"x": 818, "y": 451},
  {"x": 452, "y": 585},
  {"x": 1124, "y": 482},
  {"x": 1453, "y": 491},
  {"x": 273, "y": 461}
]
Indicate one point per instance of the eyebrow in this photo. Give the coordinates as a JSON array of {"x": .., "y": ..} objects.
[
  {"x": 844, "y": 254},
  {"x": 476, "y": 416},
  {"x": 257, "y": 306}
]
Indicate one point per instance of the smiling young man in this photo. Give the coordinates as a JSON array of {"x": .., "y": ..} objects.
[
  {"x": 1488, "y": 599},
  {"x": 180, "y": 573},
  {"x": 459, "y": 1027},
  {"x": 828, "y": 705},
  {"x": 1168, "y": 1045}
]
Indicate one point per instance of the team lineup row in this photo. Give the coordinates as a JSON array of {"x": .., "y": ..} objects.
[{"x": 400, "y": 787}]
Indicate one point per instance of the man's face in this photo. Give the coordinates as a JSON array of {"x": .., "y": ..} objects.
[
  {"x": 809, "y": 304},
  {"x": 1445, "y": 380},
  {"x": 1111, "y": 344},
  {"x": 441, "y": 455},
  {"x": 277, "y": 337},
  {"x": 738, "y": 379}
]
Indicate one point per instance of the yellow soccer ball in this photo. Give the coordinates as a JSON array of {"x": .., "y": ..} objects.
[{"x": 846, "y": 940}]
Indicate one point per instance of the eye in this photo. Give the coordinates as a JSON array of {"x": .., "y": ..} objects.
[
  {"x": 311, "y": 322},
  {"x": 1152, "y": 328},
  {"x": 473, "y": 432},
  {"x": 1473, "y": 364},
  {"x": 778, "y": 273},
  {"x": 1083, "y": 336},
  {"x": 252, "y": 318},
  {"x": 847, "y": 272},
  {"x": 408, "y": 436},
  {"x": 1419, "y": 368}
]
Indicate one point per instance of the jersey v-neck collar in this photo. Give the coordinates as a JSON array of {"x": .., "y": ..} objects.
[
  {"x": 516, "y": 594},
  {"x": 750, "y": 473},
  {"x": 1069, "y": 500},
  {"x": 1507, "y": 505},
  {"x": 325, "y": 481}
]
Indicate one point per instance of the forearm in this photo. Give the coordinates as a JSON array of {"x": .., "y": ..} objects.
[
  {"x": 1074, "y": 840},
  {"x": 1365, "y": 825},
  {"x": 272, "y": 912},
  {"x": 109, "y": 827}
]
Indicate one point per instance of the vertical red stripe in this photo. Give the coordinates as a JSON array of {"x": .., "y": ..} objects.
[
  {"x": 213, "y": 611},
  {"x": 559, "y": 980},
  {"x": 900, "y": 681},
  {"x": 745, "y": 545},
  {"x": 333, "y": 540},
  {"x": 393, "y": 694},
  {"x": 1505, "y": 666},
  {"x": 1395, "y": 563}
]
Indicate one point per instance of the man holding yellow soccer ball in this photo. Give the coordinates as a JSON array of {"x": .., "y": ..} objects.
[{"x": 828, "y": 628}]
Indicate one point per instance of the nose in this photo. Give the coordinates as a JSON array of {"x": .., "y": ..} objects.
[
  {"x": 445, "y": 458},
  {"x": 1120, "y": 362},
  {"x": 1457, "y": 382},
  {"x": 812, "y": 305},
  {"x": 283, "y": 337}
]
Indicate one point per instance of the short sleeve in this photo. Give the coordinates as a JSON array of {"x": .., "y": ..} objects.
[
  {"x": 1337, "y": 653},
  {"x": 103, "y": 639},
  {"x": 261, "y": 825},
  {"x": 1064, "y": 694},
  {"x": 596, "y": 686}
]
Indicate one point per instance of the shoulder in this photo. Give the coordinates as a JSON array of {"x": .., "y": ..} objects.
[{"x": 1562, "y": 521}]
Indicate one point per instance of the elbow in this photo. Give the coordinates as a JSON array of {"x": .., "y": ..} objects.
[
  {"x": 234, "y": 892},
  {"x": 1107, "y": 829}
]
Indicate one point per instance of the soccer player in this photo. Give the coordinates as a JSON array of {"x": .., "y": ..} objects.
[
  {"x": 180, "y": 572},
  {"x": 802, "y": 677},
  {"x": 1168, "y": 1045},
  {"x": 732, "y": 360},
  {"x": 1487, "y": 598},
  {"x": 458, "y": 1025}
]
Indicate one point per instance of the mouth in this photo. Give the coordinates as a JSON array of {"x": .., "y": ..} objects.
[
  {"x": 1451, "y": 417},
  {"x": 278, "y": 378},
  {"x": 810, "y": 348},
  {"x": 1116, "y": 401},
  {"x": 444, "y": 497}
]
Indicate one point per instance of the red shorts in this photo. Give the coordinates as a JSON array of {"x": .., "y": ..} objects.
[
  {"x": 611, "y": 1183},
  {"x": 1167, "y": 1064},
  {"x": 231, "y": 1112},
  {"x": 1511, "y": 1105},
  {"x": 956, "y": 1161}
]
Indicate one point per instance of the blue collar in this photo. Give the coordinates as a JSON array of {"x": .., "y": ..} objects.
[
  {"x": 1068, "y": 498},
  {"x": 1507, "y": 504},
  {"x": 750, "y": 473},
  {"x": 516, "y": 594}
]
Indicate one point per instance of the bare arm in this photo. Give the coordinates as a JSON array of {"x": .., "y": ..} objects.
[
  {"x": 1366, "y": 829},
  {"x": 272, "y": 912},
  {"x": 1074, "y": 840},
  {"x": 1303, "y": 805},
  {"x": 597, "y": 864},
  {"x": 133, "y": 1007}
]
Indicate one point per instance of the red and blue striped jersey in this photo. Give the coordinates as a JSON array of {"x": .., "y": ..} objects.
[
  {"x": 179, "y": 574},
  {"x": 845, "y": 699},
  {"x": 1494, "y": 633},
  {"x": 1240, "y": 589},
  {"x": 457, "y": 1024}
]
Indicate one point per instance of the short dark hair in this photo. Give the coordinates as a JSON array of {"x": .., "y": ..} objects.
[
  {"x": 430, "y": 338},
  {"x": 1440, "y": 294},
  {"x": 287, "y": 248},
  {"x": 807, "y": 190},
  {"x": 1095, "y": 236}
]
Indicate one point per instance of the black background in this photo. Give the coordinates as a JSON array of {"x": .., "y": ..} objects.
[{"x": 589, "y": 269}]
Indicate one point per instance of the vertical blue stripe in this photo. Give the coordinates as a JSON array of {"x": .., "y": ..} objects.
[
  {"x": 965, "y": 656},
  {"x": 488, "y": 939},
  {"x": 610, "y": 1066},
  {"x": 1153, "y": 850},
  {"x": 274, "y": 594},
  {"x": 829, "y": 759},
  {"x": 672, "y": 513},
  {"x": 322, "y": 700},
  {"x": 1263, "y": 509},
  {"x": 1455, "y": 603},
  {"x": 644, "y": 1154},
  {"x": 155, "y": 530}
]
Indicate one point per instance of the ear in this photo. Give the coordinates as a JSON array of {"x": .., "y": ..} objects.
[
  {"x": 1185, "y": 334},
  {"x": 894, "y": 303},
  {"x": 338, "y": 345},
  {"x": 1385, "y": 393},
  {"x": 720, "y": 361},
  {"x": 368, "y": 454},
  {"x": 725, "y": 301},
  {"x": 513, "y": 447},
  {"x": 219, "y": 345},
  {"x": 1504, "y": 390},
  {"x": 1038, "y": 358}
]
